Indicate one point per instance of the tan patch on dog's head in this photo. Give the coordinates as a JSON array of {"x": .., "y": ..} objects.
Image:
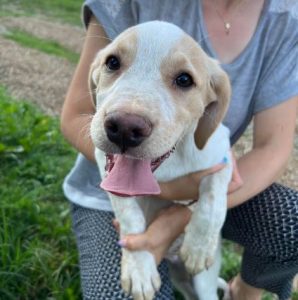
[
  {"x": 208, "y": 98},
  {"x": 125, "y": 50}
]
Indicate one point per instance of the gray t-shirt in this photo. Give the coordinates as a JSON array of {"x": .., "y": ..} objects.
[{"x": 263, "y": 75}]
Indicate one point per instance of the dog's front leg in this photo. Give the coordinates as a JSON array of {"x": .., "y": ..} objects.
[
  {"x": 203, "y": 231},
  {"x": 139, "y": 275}
]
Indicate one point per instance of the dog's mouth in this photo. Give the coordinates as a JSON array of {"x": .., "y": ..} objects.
[{"x": 128, "y": 176}]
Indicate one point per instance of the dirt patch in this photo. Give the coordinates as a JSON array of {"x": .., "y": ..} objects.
[
  {"x": 66, "y": 35},
  {"x": 38, "y": 77},
  {"x": 30, "y": 74}
]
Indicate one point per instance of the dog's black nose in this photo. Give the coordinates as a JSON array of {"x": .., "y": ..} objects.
[{"x": 127, "y": 130}]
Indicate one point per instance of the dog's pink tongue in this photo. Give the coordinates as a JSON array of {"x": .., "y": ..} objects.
[{"x": 131, "y": 177}]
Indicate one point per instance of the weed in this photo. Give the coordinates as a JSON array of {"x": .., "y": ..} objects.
[{"x": 50, "y": 47}]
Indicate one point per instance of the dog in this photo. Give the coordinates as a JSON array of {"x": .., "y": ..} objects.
[{"x": 160, "y": 101}]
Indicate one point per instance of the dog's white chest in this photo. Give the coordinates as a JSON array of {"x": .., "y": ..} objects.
[{"x": 187, "y": 158}]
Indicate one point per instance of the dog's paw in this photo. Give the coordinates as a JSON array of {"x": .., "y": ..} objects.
[
  {"x": 139, "y": 275},
  {"x": 197, "y": 256}
]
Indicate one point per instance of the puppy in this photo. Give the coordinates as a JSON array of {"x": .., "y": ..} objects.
[{"x": 159, "y": 102}]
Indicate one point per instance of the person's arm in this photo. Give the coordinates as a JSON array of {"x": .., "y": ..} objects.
[
  {"x": 78, "y": 108},
  {"x": 273, "y": 139}
]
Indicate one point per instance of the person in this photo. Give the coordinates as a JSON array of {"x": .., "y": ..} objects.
[{"x": 256, "y": 43}]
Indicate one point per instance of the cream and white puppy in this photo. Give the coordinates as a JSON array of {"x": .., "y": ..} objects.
[{"x": 160, "y": 101}]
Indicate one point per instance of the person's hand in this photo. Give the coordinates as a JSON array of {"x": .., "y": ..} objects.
[
  {"x": 160, "y": 234},
  {"x": 186, "y": 187},
  {"x": 236, "y": 181}
]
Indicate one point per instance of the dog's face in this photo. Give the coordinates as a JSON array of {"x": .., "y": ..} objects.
[{"x": 152, "y": 85}]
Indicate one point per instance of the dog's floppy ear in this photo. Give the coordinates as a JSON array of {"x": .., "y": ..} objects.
[
  {"x": 218, "y": 93},
  {"x": 92, "y": 80}
]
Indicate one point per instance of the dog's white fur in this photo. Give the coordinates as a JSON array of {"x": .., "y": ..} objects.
[{"x": 151, "y": 55}]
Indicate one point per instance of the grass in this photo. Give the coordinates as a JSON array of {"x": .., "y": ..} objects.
[
  {"x": 67, "y": 10},
  {"x": 50, "y": 47},
  {"x": 231, "y": 260},
  {"x": 37, "y": 251}
]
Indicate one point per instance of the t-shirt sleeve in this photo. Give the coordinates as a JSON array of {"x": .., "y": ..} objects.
[
  {"x": 280, "y": 77},
  {"x": 114, "y": 15}
]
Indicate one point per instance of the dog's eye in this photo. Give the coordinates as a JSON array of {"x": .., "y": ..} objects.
[
  {"x": 184, "y": 80},
  {"x": 113, "y": 63}
]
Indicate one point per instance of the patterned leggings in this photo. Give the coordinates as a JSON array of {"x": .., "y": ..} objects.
[{"x": 266, "y": 226}]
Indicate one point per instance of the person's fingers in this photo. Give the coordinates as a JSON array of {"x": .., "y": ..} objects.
[
  {"x": 236, "y": 181},
  {"x": 160, "y": 234},
  {"x": 233, "y": 186},
  {"x": 197, "y": 176},
  {"x": 116, "y": 225},
  {"x": 135, "y": 242},
  {"x": 186, "y": 187}
]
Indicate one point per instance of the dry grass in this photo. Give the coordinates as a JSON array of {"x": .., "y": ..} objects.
[{"x": 30, "y": 74}]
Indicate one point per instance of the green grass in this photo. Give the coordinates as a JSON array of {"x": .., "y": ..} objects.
[
  {"x": 231, "y": 260},
  {"x": 50, "y": 47},
  {"x": 38, "y": 256},
  {"x": 64, "y": 10}
]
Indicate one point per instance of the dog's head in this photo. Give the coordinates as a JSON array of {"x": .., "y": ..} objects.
[{"x": 152, "y": 85}]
